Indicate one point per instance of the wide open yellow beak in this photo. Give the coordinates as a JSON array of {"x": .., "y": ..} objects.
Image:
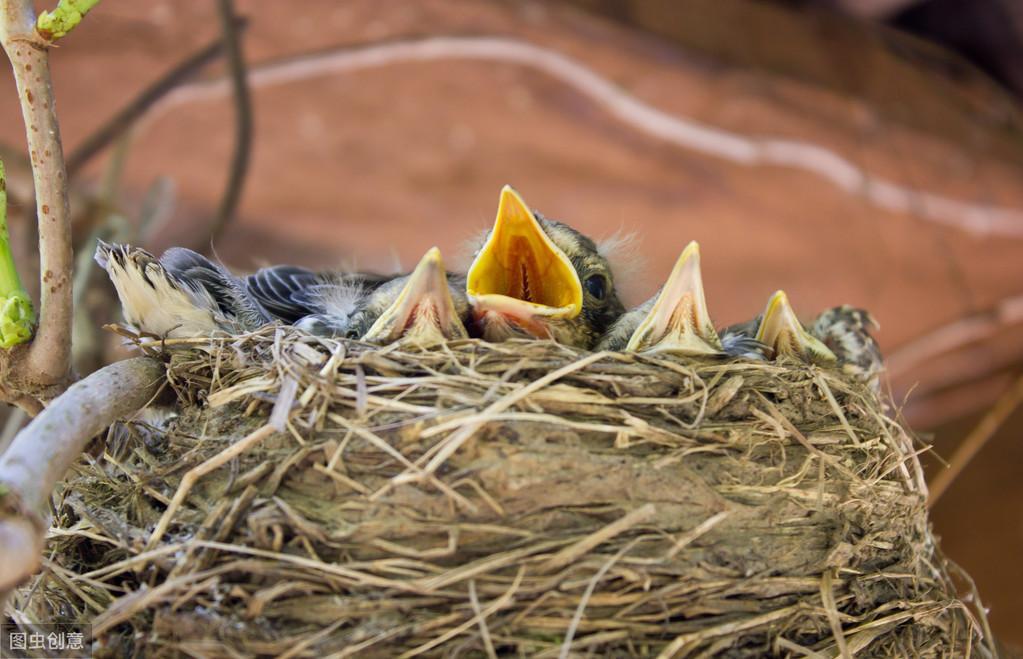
[
  {"x": 679, "y": 322},
  {"x": 424, "y": 312},
  {"x": 781, "y": 331},
  {"x": 520, "y": 273}
]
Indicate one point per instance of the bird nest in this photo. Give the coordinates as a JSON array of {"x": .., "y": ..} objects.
[{"x": 315, "y": 497}]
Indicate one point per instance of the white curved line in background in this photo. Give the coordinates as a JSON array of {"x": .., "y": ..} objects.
[{"x": 977, "y": 219}]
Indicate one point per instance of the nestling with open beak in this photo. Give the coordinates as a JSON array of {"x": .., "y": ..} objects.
[
  {"x": 539, "y": 278},
  {"x": 180, "y": 295},
  {"x": 676, "y": 319},
  {"x": 422, "y": 307}
]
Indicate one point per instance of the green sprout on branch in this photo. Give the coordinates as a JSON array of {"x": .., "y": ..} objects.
[
  {"x": 53, "y": 25},
  {"x": 16, "y": 314}
]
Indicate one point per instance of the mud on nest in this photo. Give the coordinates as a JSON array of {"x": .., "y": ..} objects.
[{"x": 526, "y": 499}]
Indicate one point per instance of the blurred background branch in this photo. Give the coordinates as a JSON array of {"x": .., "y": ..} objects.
[
  {"x": 989, "y": 424},
  {"x": 125, "y": 118},
  {"x": 243, "y": 120}
]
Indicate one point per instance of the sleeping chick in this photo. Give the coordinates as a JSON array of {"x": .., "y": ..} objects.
[
  {"x": 321, "y": 302},
  {"x": 538, "y": 278},
  {"x": 181, "y": 295},
  {"x": 421, "y": 307}
]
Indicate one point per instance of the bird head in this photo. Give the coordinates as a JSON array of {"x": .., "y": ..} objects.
[
  {"x": 781, "y": 331},
  {"x": 540, "y": 278},
  {"x": 845, "y": 331},
  {"x": 678, "y": 321},
  {"x": 419, "y": 308}
]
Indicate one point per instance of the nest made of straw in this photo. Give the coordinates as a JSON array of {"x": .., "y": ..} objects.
[{"x": 315, "y": 498}]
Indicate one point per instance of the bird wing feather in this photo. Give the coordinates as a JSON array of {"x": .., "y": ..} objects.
[
  {"x": 229, "y": 292},
  {"x": 282, "y": 289}
]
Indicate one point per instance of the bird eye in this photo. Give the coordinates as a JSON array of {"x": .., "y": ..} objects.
[{"x": 596, "y": 285}]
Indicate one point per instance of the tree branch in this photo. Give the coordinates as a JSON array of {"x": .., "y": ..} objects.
[
  {"x": 129, "y": 114},
  {"x": 992, "y": 421},
  {"x": 243, "y": 120},
  {"x": 48, "y": 359},
  {"x": 49, "y": 445}
]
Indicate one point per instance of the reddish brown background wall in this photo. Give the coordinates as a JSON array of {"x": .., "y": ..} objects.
[{"x": 370, "y": 162}]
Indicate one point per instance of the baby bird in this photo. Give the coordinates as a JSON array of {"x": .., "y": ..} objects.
[
  {"x": 422, "y": 307},
  {"x": 676, "y": 319},
  {"x": 845, "y": 330},
  {"x": 838, "y": 336},
  {"x": 319, "y": 302},
  {"x": 181, "y": 295},
  {"x": 538, "y": 278},
  {"x": 280, "y": 289},
  {"x": 781, "y": 332}
]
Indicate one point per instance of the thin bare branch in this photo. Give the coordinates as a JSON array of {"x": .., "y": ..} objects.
[
  {"x": 973, "y": 217},
  {"x": 243, "y": 120},
  {"x": 975, "y": 441},
  {"x": 129, "y": 114},
  {"x": 48, "y": 359},
  {"x": 956, "y": 335},
  {"x": 59, "y": 434}
]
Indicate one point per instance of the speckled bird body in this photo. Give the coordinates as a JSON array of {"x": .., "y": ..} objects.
[{"x": 845, "y": 330}]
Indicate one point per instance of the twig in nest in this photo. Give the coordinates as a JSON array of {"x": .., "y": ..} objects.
[
  {"x": 692, "y": 535},
  {"x": 497, "y": 605},
  {"x": 785, "y": 644},
  {"x": 566, "y": 647},
  {"x": 831, "y": 609},
  {"x": 243, "y": 120},
  {"x": 822, "y": 382},
  {"x": 676, "y": 647},
  {"x": 194, "y": 474},
  {"x": 976, "y": 440},
  {"x": 573, "y": 552},
  {"x": 488, "y": 643}
]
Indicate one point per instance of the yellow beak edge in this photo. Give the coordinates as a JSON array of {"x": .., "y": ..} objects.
[
  {"x": 424, "y": 312},
  {"x": 679, "y": 321},
  {"x": 520, "y": 271},
  {"x": 781, "y": 331}
]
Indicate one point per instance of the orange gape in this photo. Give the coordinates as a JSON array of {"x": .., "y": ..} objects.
[
  {"x": 521, "y": 281},
  {"x": 528, "y": 285}
]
